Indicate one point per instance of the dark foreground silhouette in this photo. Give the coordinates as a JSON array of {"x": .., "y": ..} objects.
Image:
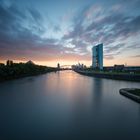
[{"x": 22, "y": 70}]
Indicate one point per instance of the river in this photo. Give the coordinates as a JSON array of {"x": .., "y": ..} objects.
[{"x": 67, "y": 105}]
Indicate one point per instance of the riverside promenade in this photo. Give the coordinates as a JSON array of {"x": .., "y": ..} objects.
[{"x": 111, "y": 75}]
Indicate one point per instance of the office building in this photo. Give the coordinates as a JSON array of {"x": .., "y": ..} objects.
[
  {"x": 97, "y": 57},
  {"x": 58, "y": 65}
]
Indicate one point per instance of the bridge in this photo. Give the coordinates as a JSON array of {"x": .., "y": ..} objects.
[{"x": 65, "y": 67}]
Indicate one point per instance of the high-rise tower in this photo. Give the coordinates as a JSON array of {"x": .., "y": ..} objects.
[{"x": 97, "y": 56}]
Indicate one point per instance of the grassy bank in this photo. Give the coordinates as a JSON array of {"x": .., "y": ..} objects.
[
  {"x": 110, "y": 75},
  {"x": 135, "y": 92},
  {"x": 131, "y": 93}
]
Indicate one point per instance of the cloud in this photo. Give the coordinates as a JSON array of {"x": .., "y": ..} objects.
[
  {"x": 20, "y": 34},
  {"x": 16, "y": 24},
  {"x": 136, "y": 56},
  {"x": 111, "y": 28},
  {"x": 22, "y": 31},
  {"x": 108, "y": 57}
]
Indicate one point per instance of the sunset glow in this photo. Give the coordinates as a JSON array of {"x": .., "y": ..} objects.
[{"x": 48, "y": 32}]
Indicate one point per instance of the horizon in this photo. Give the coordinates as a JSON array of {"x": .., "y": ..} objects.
[
  {"x": 51, "y": 32},
  {"x": 56, "y": 63}
]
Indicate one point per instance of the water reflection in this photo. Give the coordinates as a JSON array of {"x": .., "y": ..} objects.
[
  {"x": 66, "y": 104},
  {"x": 97, "y": 91}
]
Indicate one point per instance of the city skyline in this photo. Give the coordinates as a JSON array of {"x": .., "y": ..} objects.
[{"x": 48, "y": 32}]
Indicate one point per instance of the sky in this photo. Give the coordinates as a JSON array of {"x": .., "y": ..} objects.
[{"x": 64, "y": 31}]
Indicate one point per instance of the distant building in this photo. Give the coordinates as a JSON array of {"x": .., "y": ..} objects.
[
  {"x": 132, "y": 68},
  {"x": 9, "y": 63},
  {"x": 97, "y": 57},
  {"x": 123, "y": 68},
  {"x": 119, "y": 67},
  {"x": 58, "y": 66},
  {"x": 79, "y": 66}
]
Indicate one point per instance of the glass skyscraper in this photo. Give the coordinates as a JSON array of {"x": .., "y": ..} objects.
[{"x": 97, "y": 56}]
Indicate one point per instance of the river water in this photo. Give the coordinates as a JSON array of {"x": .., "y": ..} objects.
[{"x": 67, "y": 105}]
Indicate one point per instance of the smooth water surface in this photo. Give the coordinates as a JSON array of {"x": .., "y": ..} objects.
[{"x": 66, "y": 105}]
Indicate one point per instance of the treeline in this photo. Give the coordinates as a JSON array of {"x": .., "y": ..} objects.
[{"x": 22, "y": 70}]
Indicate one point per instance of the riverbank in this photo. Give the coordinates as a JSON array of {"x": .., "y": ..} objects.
[
  {"x": 21, "y": 70},
  {"x": 111, "y": 75},
  {"x": 131, "y": 93}
]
